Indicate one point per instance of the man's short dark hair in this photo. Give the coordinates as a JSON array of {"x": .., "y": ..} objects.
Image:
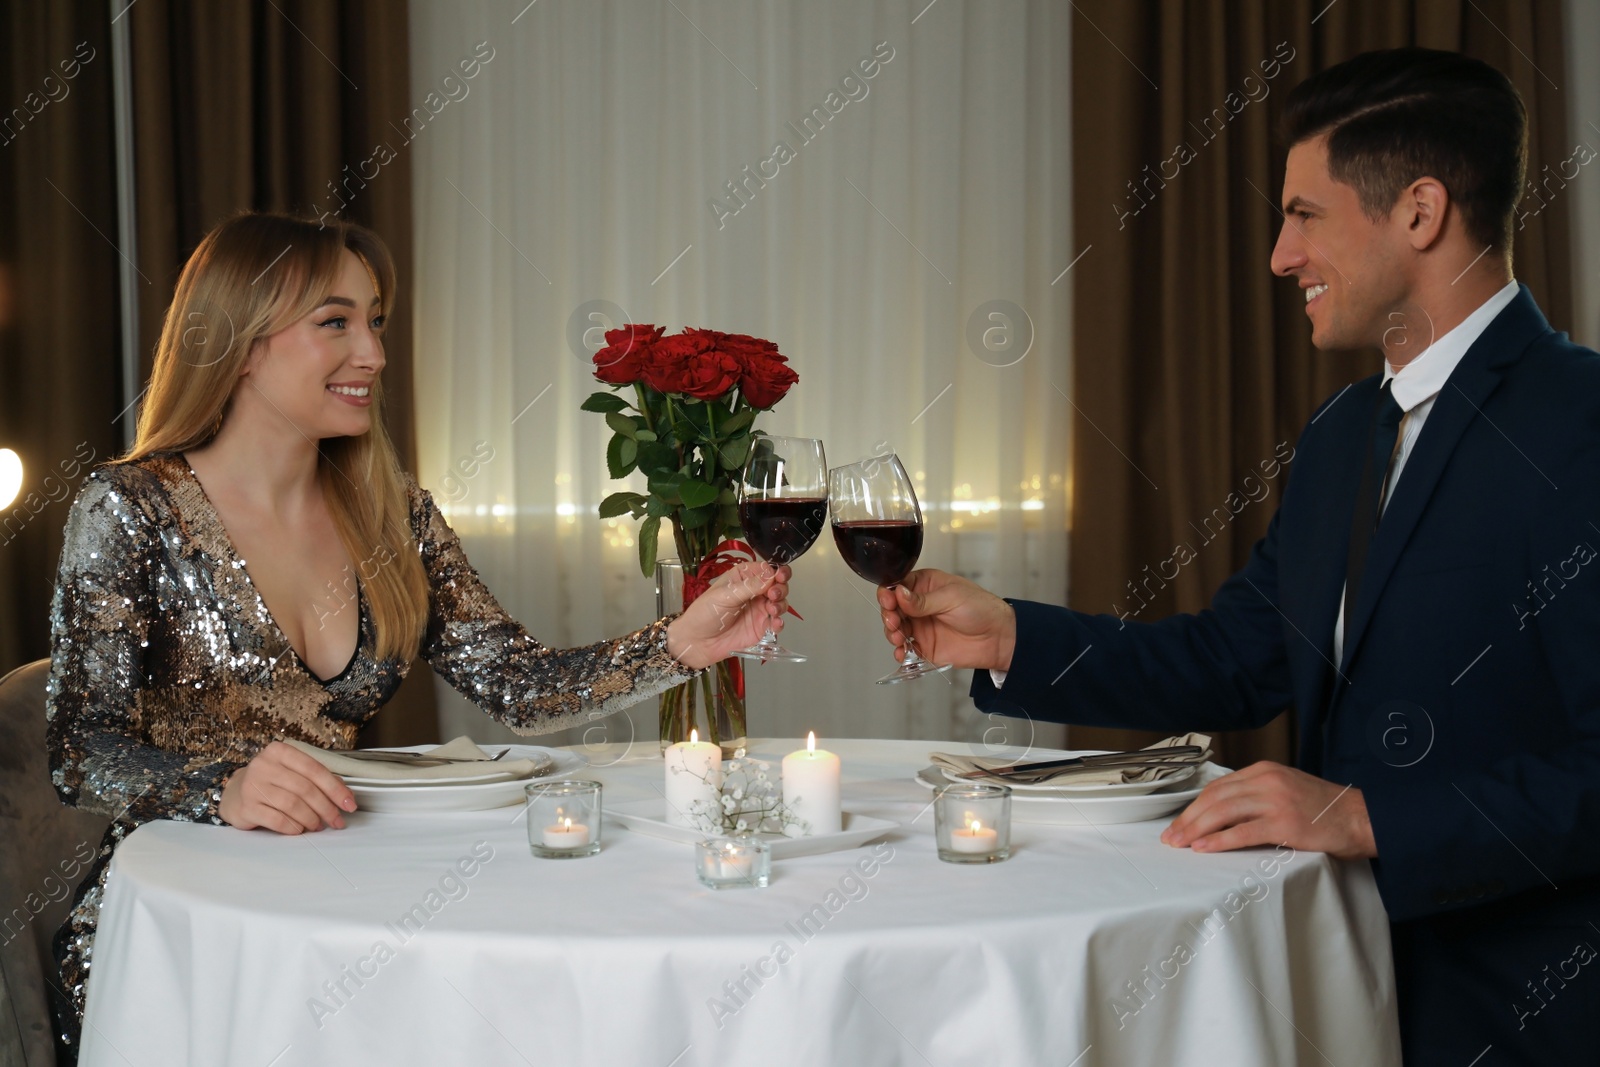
[{"x": 1398, "y": 115}]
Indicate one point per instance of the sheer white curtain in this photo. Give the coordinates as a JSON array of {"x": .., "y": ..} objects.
[{"x": 906, "y": 249}]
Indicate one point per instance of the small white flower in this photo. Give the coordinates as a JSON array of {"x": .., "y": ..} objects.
[
  {"x": 763, "y": 765},
  {"x": 761, "y": 777},
  {"x": 741, "y": 825},
  {"x": 727, "y": 803},
  {"x": 793, "y": 830},
  {"x": 738, "y": 753},
  {"x": 738, "y": 794}
]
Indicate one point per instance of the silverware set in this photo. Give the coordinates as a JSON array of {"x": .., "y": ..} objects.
[{"x": 1032, "y": 773}]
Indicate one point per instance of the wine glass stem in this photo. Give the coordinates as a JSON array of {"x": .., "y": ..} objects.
[{"x": 911, "y": 651}]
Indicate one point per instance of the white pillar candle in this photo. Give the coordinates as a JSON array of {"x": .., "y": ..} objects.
[
  {"x": 694, "y": 773},
  {"x": 974, "y": 838},
  {"x": 811, "y": 787},
  {"x": 566, "y": 834}
]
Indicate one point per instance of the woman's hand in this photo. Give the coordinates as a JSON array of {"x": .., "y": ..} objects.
[
  {"x": 732, "y": 614},
  {"x": 284, "y": 789}
]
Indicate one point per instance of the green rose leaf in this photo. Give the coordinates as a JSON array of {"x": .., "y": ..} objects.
[
  {"x": 733, "y": 453},
  {"x": 737, "y": 423},
  {"x": 606, "y": 402},
  {"x": 657, "y": 460},
  {"x": 619, "y": 503},
  {"x": 655, "y": 507},
  {"x": 620, "y": 456},
  {"x": 697, "y": 494},
  {"x": 649, "y": 531},
  {"x": 694, "y": 518},
  {"x": 622, "y": 424}
]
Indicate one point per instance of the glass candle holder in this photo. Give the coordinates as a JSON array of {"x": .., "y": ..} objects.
[
  {"x": 972, "y": 823},
  {"x": 733, "y": 863},
  {"x": 563, "y": 819}
]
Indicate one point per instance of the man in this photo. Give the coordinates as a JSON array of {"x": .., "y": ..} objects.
[{"x": 1426, "y": 598}]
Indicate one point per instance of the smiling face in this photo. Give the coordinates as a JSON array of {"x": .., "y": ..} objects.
[
  {"x": 1354, "y": 271},
  {"x": 320, "y": 372}
]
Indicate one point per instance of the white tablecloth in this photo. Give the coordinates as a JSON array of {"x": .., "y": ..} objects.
[{"x": 1089, "y": 946}]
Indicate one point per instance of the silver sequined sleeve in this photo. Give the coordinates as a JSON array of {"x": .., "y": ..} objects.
[
  {"x": 483, "y": 652},
  {"x": 100, "y": 622}
]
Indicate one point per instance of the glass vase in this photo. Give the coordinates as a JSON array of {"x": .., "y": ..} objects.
[{"x": 713, "y": 701}]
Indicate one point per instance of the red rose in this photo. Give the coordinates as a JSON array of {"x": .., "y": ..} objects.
[
  {"x": 622, "y": 361},
  {"x": 765, "y": 381},
  {"x": 746, "y": 349},
  {"x": 690, "y": 364},
  {"x": 764, "y": 375}
]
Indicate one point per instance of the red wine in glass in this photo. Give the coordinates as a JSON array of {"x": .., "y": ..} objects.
[
  {"x": 783, "y": 504},
  {"x": 877, "y": 524},
  {"x": 781, "y": 529},
  {"x": 881, "y": 552}
]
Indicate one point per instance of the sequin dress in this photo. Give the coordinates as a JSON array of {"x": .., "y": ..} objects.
[{"x": 168, "y": 673}]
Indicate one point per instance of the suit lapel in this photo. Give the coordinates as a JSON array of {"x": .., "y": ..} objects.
[{"x": 1460, "y": 402}]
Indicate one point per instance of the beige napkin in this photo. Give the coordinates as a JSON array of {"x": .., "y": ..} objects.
[
  {"x": 958, "y": 764},
  {"x": 460, "y": 748}
]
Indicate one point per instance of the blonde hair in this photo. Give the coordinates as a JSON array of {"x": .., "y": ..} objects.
[{"x": 252, "y": 276}]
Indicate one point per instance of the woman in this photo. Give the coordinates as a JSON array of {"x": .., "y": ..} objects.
[{"x": 178, "y": 673}]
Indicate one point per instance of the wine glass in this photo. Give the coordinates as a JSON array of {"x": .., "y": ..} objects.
[
  {"x": 877, "y": 525},
  {"x": 783, "y": 502}
]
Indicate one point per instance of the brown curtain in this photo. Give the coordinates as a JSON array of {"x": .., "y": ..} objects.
[
  {"x": 1192, "y": 360},
  {"x": 59, "y": 385},
  {"x": 279, "y": 105},
  {"x": 266, "y": 105}
]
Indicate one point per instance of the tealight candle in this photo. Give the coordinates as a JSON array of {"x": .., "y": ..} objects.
[
  {"x": 694, "y": 780},
  {"x": 811, "y": 787},
  {"x": 972, "y": 822},
  {"x": 563, "y": 819},
  {"x": 733, "y": 863},
  {"x": 565, "y": 833},
  {"x": 974, "y": 838}
]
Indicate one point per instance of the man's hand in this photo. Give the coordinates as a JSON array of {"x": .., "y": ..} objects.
[
  {"x": 1270, "y": 804},
  {"x": 952, "y": 620}
]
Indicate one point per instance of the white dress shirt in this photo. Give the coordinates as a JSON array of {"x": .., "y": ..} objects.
[{"x": 1416, "y": 386}]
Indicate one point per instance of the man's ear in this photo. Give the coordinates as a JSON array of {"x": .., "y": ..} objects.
[{"x": 1422, "y": 208}]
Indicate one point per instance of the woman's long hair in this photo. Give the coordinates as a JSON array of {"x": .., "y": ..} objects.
[{"x": 252, "y": 276}]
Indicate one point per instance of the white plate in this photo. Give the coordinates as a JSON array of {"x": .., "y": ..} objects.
[
  {"x": 645, "y": 817},
  {"x": 472, "y": 796},
  {"x": 1095, "y": 811},
  {"x": 1084, "y": 789},
  {"x": 403, "y": 783}
]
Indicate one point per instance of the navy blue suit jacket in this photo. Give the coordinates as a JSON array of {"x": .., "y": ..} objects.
[{"x": 1466, "y": 705}]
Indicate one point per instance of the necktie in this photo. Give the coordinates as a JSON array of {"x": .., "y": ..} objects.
[{"x": 1386, "y": 415}]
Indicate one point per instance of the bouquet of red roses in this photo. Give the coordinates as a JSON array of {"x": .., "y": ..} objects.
[{"x": 695, "y": 399}]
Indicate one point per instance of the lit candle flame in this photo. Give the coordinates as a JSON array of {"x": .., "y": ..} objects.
[
  {"x": 566, "y": 824},
  {"x": 811, "y": 741},
  {"x": 976, "y": 825},
  {"x": 694, "y": 737}
]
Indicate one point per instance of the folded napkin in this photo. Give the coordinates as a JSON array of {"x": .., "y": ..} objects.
[
  {"x": 958, "y": 764},
  {"x": 461, "y": 748}
]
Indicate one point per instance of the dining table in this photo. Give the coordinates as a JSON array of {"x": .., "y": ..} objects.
[{"x": 430, "y": 937}]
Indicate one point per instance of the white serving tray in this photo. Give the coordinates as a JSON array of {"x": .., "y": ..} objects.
[{"x": 646, "y": 817}]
